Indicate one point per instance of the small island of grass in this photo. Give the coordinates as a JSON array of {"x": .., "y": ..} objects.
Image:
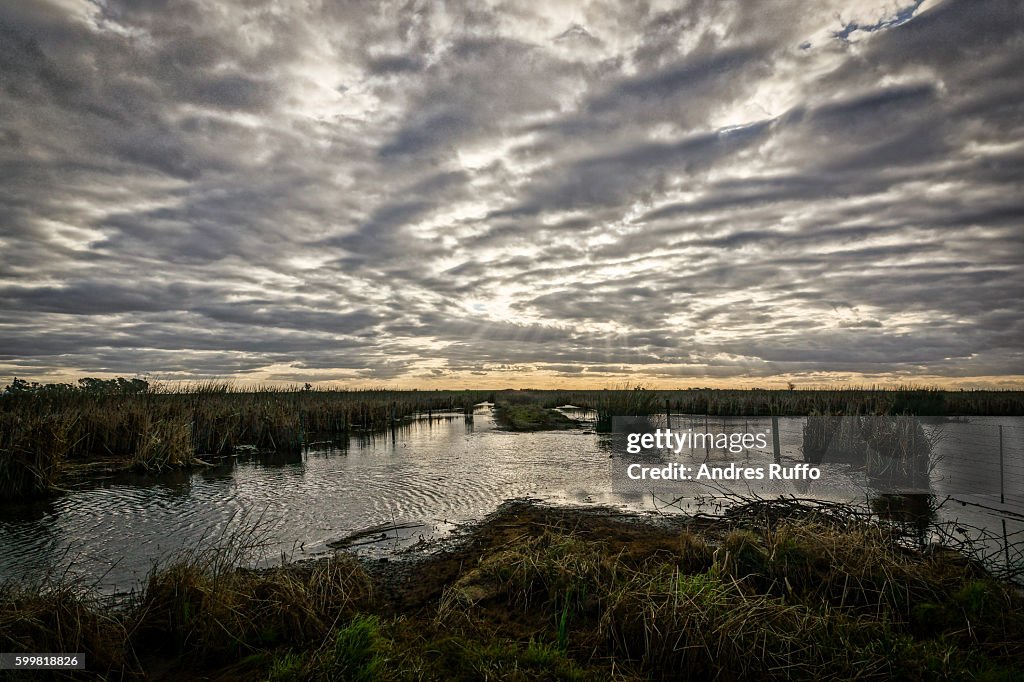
[{"x": 530, "y": 417}]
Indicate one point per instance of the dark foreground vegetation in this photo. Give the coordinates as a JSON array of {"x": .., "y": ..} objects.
[
  {"x": 50, "y": 431},
  {"x": 779, "y": 590}
]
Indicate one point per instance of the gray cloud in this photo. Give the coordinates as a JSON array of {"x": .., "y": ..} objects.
[{"x": 470, "y": 194}]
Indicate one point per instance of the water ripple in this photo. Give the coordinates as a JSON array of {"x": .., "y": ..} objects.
[{"x": 435, "y": 474}]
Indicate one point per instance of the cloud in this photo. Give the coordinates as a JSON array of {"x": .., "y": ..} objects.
[{"x": 464, "y": 193}]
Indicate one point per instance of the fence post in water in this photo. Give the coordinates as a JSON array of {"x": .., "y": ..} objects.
[
  {"x": 1006, "y": 547},
  {"x": 746, "y": 450},
  {"x": 668, "y": 415},
  {"x": 707, "y": 448},
  {"x": 1002, "y": 493},
  {"x": 776, "y": 451},
  {"x": 913, "y": 450}
]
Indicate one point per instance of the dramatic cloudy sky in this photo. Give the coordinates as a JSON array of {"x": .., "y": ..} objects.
[{"x": 515, "y": 193}]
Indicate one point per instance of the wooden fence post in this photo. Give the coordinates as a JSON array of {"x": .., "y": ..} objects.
[{"x": 776, "y": 450}]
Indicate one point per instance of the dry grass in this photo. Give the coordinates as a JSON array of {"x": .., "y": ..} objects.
[
  {"x": 33, "y": 450},
  {"x": 770, "y": 591},
  {"x": 59, "y": 616},
  {"x": 222, "y": 615},
  {"x": 43, "y": 430},
  {"x": 816, "y": 595},
  {"x": 922, "y": 401}
]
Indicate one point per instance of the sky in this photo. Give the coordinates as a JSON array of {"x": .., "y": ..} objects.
[{"x": 491, "y": 194}]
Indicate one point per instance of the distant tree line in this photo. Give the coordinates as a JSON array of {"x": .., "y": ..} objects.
[{"x": 88, "y": 386}]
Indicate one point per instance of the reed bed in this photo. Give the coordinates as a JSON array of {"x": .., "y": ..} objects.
[
  {"x": 46, "y": 429},
  {"x": 896, "y": 451},
  {"x": 33, "y": 448},
  {"x": 43, "y": 429},
  {"x": 636, "y": 401}
]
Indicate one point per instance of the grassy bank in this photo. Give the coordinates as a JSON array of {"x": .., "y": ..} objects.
[
  {"x": 768, "y": 591},
  {"x": 530, "y": 416}
]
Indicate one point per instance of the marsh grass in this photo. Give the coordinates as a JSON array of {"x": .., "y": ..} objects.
[
  {"x": 770, "y": 591},
  {"x": 633, "y": 400},
  {"x": 223, "y": 614},
  {"x": 358, "y": 651},
  {"x": 164, "y": 445},
  {"x": 45, "y": 431},
  {"x": 821, "y": 595},
  {"x": 896, "y": 451},
  {"x": 548, "y": 568},
  {"x": 629, "y": 401},
  {"x": 201, "y": 606},
  {"x": 33, "y": 450},
  {"x": 55, "y": 614},
  {"x": 528, "y": 416},
  {"x": 204, "y": 602}
]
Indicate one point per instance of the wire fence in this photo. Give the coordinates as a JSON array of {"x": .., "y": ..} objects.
[
  {"x": 975, "y": 471},
  {"x": 972, "y": 462}
]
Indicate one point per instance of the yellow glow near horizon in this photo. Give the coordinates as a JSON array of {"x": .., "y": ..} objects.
[{"x": 421, "y": 378}]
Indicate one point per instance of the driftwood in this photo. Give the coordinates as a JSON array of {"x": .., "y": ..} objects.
[{"x": 377, "y": 533}]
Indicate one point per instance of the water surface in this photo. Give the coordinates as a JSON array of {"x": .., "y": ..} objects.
[{"x": 433, "y": 474}]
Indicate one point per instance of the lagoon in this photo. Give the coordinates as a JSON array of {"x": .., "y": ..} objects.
[{"x": 424, "y": 480}]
